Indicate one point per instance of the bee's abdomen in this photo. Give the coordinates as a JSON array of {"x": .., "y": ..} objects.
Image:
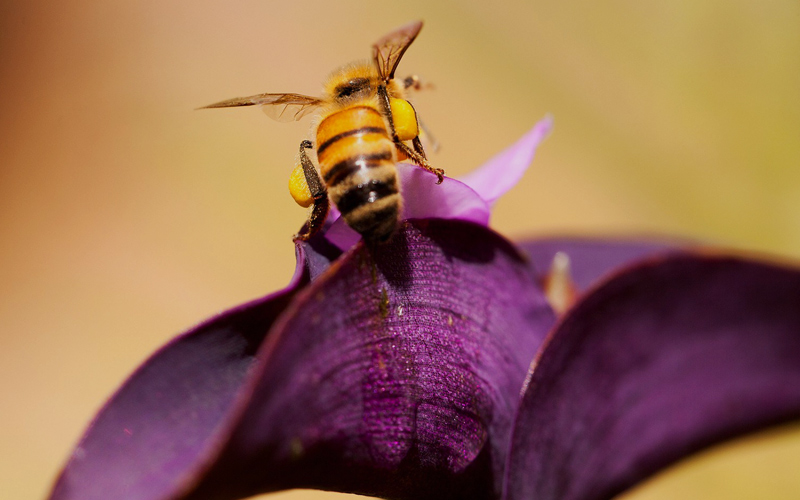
[{"x": 357, "y": 162}]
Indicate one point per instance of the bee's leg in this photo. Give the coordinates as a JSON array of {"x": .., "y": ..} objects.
[
  {"x": 383, "y": 97},
  {"x": 317, "y": 188},
  {"x": 414, "y": 155},
  {"x": 419, "y": 159},
  {"x": 418, "y": 147}
]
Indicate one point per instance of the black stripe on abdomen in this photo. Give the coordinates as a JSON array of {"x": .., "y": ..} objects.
[
  {"x": 341, "y": 170},
  {"x": 363, "y": 194},
  {"x": 356, "y": 131}
]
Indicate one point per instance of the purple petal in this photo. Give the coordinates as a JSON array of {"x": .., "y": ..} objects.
[
  {"x": 396, "y": 372},
  {"x": 452, "y": 199},
  {"x": 152, "y": 433},
  {"x": 501, "y": 173},
  {"x": 660, "y": 361},
  {"x": 593, "y": 258},
  {"x": 340, "y": 234},
  {"x": 319, "y": 253}
]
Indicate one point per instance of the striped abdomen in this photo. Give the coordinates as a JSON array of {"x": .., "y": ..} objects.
[{"x": 357, "y": 161}]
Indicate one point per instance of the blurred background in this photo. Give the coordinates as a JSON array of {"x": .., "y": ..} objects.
[{"x": 126, "y": 216}]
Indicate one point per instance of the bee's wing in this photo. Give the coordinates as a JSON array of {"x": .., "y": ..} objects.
[
  {"x": 387, "y": 51},
  {"x": 281, "y": 107}
]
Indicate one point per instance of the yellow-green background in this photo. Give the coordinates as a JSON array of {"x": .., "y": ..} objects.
[{"x": 126, "y": 217}]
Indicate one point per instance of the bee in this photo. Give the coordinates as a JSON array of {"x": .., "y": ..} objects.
[{"x": 363, "y": 128}]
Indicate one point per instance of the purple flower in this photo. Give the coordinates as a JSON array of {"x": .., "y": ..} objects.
[{"x": 435, "y": 367}]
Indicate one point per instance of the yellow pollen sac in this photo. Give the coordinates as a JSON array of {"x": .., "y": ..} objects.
[
  {"x": 298, "y": 187},
  {"x": 405, "y": 119}
]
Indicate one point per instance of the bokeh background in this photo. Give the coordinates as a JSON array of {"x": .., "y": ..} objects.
[{"x": 126, "y": 216}]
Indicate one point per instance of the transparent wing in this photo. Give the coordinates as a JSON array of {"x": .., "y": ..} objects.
[
  {"x": 281, "y": 107},
  {"x": 387, "y": 51}
]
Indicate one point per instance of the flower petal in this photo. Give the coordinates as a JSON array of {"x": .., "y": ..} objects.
[
  {"x": 319, "y": 253},
  {"x": 501, "y": 173},
  {"x": 396, "y": 372},
  {"x": 452, "y": 199},
  {"x": 658, "y": 362},
  {"x": 152, "y": 433}
]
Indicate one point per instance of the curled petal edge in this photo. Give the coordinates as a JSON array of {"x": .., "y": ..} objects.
[{"x": 660, "y": 360}]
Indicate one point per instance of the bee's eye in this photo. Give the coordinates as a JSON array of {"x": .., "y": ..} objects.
[{"x": 351, "y": 88}]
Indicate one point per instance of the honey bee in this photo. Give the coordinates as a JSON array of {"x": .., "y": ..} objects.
[{"x": 362, "y": 129}]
